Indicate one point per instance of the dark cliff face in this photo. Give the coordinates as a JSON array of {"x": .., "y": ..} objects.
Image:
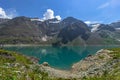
[{"x": 73, "y": 28}]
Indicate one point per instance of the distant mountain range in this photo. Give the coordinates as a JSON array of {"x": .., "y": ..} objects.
[{"x": 69, "y": 31}]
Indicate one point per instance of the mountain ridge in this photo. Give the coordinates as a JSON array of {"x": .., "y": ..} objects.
[{"x": 69, "y": 31}]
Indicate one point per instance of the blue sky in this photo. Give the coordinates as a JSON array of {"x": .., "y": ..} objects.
[{"x": 104, "y": 11}]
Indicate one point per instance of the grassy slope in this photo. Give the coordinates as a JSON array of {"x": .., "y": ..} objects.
[{"x": 14, "y": 66}]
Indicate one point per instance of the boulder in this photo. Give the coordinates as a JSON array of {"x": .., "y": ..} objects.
[{"x": 45, "y": 64}]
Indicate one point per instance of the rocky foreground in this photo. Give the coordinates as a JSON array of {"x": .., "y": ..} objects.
[
  {"x": 104, "y": 62},
  {"x": 104, "y": 65}
]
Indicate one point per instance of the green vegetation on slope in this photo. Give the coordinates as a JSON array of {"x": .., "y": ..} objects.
[{"x": 15, "y": 66}]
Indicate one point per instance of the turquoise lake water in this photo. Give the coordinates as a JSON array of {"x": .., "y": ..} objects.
[{"x": 60, "y": 57}]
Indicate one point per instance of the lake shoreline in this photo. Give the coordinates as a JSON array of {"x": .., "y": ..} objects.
[
  {"x": 47, "y": 49},
  {"x": 25, "y": 45},
  {"x": 22, "y": 45}
]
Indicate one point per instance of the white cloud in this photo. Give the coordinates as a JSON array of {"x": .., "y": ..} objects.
[
  {"x": 104, "y": 5},
  {"x": 49, "y": 14},
  {"x": 92, "y": 22},
  {"x": 88, "y": 22},
  {"x": 110, "y": 3},
  {"x": 58, "y": 17},
  {"x": 4, "y": 14}
]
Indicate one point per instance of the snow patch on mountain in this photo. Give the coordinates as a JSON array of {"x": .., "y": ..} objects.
[
  {"x": 44, "y": 38},
  {"x": 94, "y": 27},
  {"x": 117, "y": 28}
]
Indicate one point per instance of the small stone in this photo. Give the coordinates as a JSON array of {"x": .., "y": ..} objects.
[
  {"x": 45, "y": 64},
  {"x": 89, "y": 55},
  {"x": 34, "y": 60},
  {"x": 17, "y": 64}
]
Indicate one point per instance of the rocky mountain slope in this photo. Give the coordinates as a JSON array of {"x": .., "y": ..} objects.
[
  {"x": 3, "y": 20},
  {"x": 69, "y": 31},
  {"x": 73, "y": 31},
  {"x": 115, "y": 24}
]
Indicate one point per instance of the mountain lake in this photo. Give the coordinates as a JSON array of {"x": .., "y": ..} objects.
[{"x": 58, "y": 57}]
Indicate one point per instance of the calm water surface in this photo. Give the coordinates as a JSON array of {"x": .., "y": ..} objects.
[{"x": 62, "y": 57}]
